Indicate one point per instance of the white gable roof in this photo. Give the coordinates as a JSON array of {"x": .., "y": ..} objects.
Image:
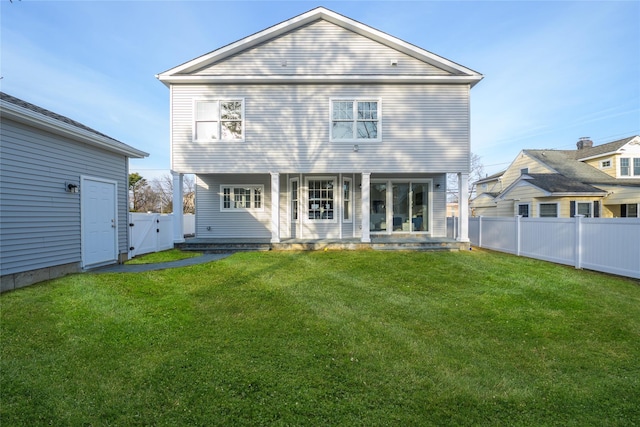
[{"x": 455, "y": 73}]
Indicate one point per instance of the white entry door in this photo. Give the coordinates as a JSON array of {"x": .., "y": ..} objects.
[{"x": 99, "y": 221}]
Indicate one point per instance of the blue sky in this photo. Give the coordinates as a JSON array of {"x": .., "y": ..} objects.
[{"x": 554, "y": 71}]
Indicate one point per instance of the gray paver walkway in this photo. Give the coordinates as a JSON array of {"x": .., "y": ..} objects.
[{"x": 138, "y": 268}]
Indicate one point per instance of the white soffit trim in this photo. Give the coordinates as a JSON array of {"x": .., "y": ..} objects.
[
  {"x": 278, "y": 79},
  {"x": 330, "y": 16}
]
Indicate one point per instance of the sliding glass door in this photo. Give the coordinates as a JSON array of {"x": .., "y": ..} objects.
[
  {"x": 378, "y": 209},
  {"x": 400, "y": 207}
]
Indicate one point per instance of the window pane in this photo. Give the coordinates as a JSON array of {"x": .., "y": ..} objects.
[
  {"x": 294, "y": 200},
  {"x": 257, "y": 197},
  {"x": 242, "y": 198},
  {"x": 636, "y": 166},
  {"x": 584, "y": 209},
  {"x": 321, "y": 204},
  {"x": 367, "y": 110},
  {"x": 342, "y": 110},
  {"x": 227, "y": 198},
  {"x": 632, "y": 211},
  {"x": 206, "y": 110},
  {"x": 548, "y": 210},
  {"x": 523, "y": 210},
  {"x": 342, "y": 130},
  {"x": 368, "y": 130},
  {"x": 231, "y": 130},
  {"x": 207, "y": 131},
  {"x": 624, "y": 167},
  {"x": 346, "y": 199},
  {"x": 231, "y": 110}
]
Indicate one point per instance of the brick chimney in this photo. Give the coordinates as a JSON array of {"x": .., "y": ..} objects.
[{"x": 584, "y": 142}]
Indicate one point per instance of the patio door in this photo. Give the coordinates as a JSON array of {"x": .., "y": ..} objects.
[{"x": 400, "y": 207}]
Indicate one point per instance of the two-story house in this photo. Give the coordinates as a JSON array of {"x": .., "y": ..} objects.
[
  {"x": 320, "y": 127},
  {"x": 594, "y": 181}
]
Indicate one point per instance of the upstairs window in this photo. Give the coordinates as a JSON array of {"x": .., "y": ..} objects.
[
  {"x": 355, "y": 120},
  {"x": 627, "y": 168},
  {"x": 605, "y": 164},
  {"x": 218, "y": 120},
  {"x": 624, "y": 167}
]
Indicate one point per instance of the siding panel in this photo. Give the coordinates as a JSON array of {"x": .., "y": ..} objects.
[
  {"x": 425, "y": 128},
  {"x": 212, "y": 223},
  {"x": 39, "y": 221},
  {"x": 320, "y": 48}
]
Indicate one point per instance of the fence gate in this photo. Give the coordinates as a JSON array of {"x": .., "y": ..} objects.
[{"x": 149, "y": 233}]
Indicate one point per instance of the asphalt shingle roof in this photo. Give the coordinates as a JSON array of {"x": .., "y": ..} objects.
[
  {"x": 24, "y": 104},
  {"x": 564, "y": 163},
  {"x": 556, "y": 183},
  {"x": 599, "y": 150}
]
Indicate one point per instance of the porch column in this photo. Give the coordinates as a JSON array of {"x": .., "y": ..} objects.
[
  {"x": 463, "y": 207},
  {"x": 366, "y": 202},
  {"x": 178, "y": 219},
  {"x": 275, "y": 207}
]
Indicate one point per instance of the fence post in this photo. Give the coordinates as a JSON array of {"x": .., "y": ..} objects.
[
  {"x": 518, "y": 218},
  {"x": 578, "y": 247},
  {"x": 480, "y": 231}
]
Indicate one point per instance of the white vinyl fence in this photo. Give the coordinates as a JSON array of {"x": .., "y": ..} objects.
[
  {"x": 149, "y": 232},
  {"x": 610, "y": 245},
  {"x": 189, "y": 224}
]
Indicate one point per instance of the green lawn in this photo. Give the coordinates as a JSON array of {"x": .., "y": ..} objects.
[{"x": 326, "y": 338}]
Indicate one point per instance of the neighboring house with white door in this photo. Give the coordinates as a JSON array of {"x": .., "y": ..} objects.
[
  {"x": 63, "y": 195},
  {"x": 320, "y": 127}
]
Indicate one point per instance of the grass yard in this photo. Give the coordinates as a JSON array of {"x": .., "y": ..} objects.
[{"x": 326, "y": 338}]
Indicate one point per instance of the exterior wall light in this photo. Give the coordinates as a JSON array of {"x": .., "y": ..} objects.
[{"x": 70, "y": 187}]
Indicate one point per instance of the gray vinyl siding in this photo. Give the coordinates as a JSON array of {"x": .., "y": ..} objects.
[
  {"x": 39, "y": 221},
  {"x": 320, "y": 48},
  {"x": 231, "y": 224},
  {"x": 424, "y": 128}
]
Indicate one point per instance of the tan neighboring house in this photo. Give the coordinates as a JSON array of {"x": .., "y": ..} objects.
[{"x": 594, "y": 181}]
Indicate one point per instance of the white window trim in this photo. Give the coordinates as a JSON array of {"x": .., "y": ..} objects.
[
  {"x": 252, "y": 186},
  {"x": 355, "y": 101},
  {"x": 578, "y": 203},
  {"x": 549, "y": 203},
  {"x": 218, "y": 100},
  {"x": 389, "y": 202},
  {"x": 290, "y": 204},
  {"x": 305, "y": 200},
  {"x": 602, "y": 163},
  {"x": 523, "y": 204},
  {"x": 342, "y": 200},
  {"x": 631, "y": 167}
]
